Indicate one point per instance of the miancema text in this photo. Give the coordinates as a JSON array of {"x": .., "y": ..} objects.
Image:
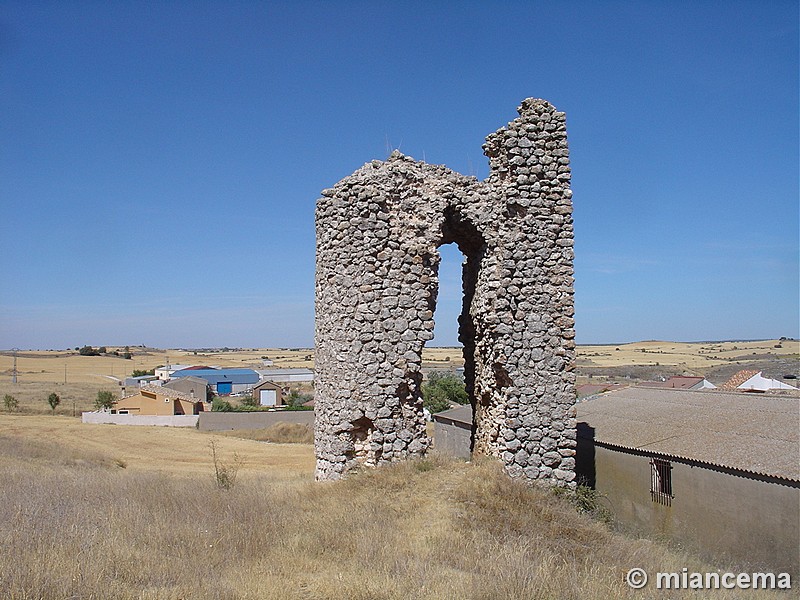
[{"x": 715, "y": 581}]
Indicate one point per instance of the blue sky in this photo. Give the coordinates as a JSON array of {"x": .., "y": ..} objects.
[{"x": 160, "y": 161}]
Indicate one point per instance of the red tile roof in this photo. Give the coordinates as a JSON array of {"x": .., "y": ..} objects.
[{"x": 737, "y": 380}]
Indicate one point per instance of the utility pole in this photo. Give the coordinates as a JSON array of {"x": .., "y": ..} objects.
[{"x": 14, "y": 369}]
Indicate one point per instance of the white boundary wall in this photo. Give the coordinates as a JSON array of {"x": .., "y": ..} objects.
[{"x": 157, "y": 420}]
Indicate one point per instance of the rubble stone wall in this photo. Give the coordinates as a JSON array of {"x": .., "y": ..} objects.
[{"x": 378, "y": 232}]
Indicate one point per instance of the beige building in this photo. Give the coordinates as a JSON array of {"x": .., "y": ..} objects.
[
  {"x": 716, "y": 472},
  {"x": 268, "y": 393},
  {"x": 158, "y": 400},
  {"x": 196, "y": 387}
]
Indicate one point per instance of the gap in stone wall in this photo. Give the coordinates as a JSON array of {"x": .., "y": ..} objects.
[
  {"x": 449, "y": 298},
  {"x": 457, "y": 275}
]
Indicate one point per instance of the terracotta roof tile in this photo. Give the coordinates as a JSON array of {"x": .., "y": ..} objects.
[{"x": 737, "y": 380}]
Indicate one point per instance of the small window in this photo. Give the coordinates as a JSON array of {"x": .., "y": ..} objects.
[{"x": 661, "y": 481}]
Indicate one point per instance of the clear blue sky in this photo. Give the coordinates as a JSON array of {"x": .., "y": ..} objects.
[{"x": 160, "y": 161}]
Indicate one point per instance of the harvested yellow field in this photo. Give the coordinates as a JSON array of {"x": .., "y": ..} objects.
[
  {"x": 691, "y": 355},
  {"x": 70, "y": 367},
  {"x": 172, "y": 450}
]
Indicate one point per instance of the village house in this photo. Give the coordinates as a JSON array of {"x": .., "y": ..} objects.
[
  {"x": 156, "y": 400},
  {"x": 268, "y": 393},
  {"x": 196, "y": 387},
  {"x": 717, "y": 472}
]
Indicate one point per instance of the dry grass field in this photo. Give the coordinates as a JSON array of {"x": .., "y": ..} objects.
[
  {"x": 43, "y": 372},
  {"x": 696, "y": 356},
  {"x": 58, "y": 366},
  {"x": 114, "y": 512},
  {"x": 68, "y": 366}
]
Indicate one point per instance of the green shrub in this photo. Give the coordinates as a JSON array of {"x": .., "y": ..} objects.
[
  {"x": 588, "y": 501},
  {"x": 105, "y": 400},
  {"x": 435, "y": 399},
  {"x": 53, "y": 400},
  {"x": 10, "y": 402},
  {"x": 296, "y": 399},
  {"x": 248, "y": 401},
  {"x": 220, "y": 405},
  {"x": 441, "y": 389}
]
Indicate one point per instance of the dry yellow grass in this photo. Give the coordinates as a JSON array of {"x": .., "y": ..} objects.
[
  {"x": 55, "y": 366},
  {"x": 177, "y": 451},
  {"x": 75, "y": 397},
  {"x": 281, "y": 432},
  {"x": 112, "y": 512},
  {"x": 696, "y": 356}
]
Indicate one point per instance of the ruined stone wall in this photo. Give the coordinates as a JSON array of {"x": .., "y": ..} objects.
[{"x": 378, "y": 231}]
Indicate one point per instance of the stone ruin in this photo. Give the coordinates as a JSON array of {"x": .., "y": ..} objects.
[{"x": 378, "y": 231}]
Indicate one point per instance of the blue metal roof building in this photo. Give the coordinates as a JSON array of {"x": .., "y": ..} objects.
[{"x": 225, "y": 381}]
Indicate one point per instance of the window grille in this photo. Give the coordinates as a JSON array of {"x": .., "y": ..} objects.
[{"x": 661, "y": 481}]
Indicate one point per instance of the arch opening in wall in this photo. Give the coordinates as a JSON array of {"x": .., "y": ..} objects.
[
  {"x": 462, "y": 243},
  {"x": 447, "y": 362}
]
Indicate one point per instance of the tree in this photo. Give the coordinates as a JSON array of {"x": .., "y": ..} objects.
[
  {"x": 435, "y": 400},
  {"x": 88, "y": 351},
  {"x": 10, "y": 402},
  {"x": 105, "y": 400},
  {"x": 53, "y": 400},
  {"x": 441, "y": 389}
]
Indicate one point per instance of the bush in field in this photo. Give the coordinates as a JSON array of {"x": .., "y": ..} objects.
[
  {"x": 296, "y": 399},
  {"x": 105, "y": 400},
  {"x": 248, "y": 401},
  {"x": 53, "y": 400},
  {"x": 220, "y": 405},
  {"x": 10, "y": 402},
  {"x": 88, "y": 351},
  {"x": 441, "y": 389}
]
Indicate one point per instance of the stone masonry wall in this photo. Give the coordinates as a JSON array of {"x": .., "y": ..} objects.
[{"x": 378, "y": 231}]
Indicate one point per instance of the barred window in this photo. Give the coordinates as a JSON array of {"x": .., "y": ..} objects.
[{"x": 661, "y": 481}]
